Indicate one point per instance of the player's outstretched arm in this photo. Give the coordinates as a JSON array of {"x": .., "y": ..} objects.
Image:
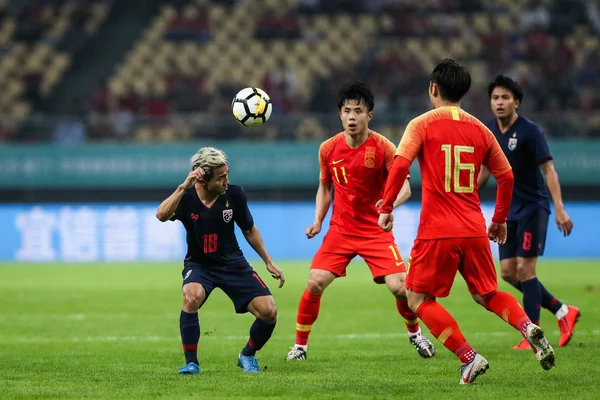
[
  {"x": 484, "y": 176},
  {"x": 564, "y": 223},
  {"x": 322, "y": 203},
  {"x": 255, "y": 240},
  {"x": 393, "y": 187},
  {"x": 404, "y": 194},
  {"x": 498, "y": 165},
  {"x": 167, "y": 208}
]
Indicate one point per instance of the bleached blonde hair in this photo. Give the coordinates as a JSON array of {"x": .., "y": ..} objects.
[{"x": 208, "y": 158}]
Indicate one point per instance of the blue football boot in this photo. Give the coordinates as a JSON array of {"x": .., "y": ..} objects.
[
  {"x": 190, "y": 369},
  {"x": 248, "y": 363}
]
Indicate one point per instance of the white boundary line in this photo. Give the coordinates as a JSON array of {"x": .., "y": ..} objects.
[{"x": 122, "y": 339}]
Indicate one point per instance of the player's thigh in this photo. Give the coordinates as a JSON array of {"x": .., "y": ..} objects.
[
  {"x": 335, "y": 254},
  {"x": 242, "y": 287},
  {"x": 532, "y": 234},
  {"x": 432, "y": 266},
  {"x": 197, "y": 285},
  {"x": 382, "y": 256},
  {"x": 509, "y": 249},
  {"x": 477, "y": 266}
]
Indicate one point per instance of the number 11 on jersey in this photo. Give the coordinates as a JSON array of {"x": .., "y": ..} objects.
[{"x": 337, "y": 178}]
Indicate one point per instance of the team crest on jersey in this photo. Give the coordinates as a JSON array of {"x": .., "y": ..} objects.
[
  {"x": 227, "y": 215},
  {"x": 370, "y": 156},
  {"x": 512, "y": 143}
]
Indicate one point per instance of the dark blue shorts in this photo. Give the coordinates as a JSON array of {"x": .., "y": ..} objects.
[
  {"x": 241, "y": 286},
  {"x": 526, "y": 237}
]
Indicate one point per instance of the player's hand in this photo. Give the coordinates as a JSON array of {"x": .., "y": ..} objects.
[
  {"x": 564, "y": 223},
  {"x": 497, "y": 232},
  {"x": 193, "y": 177},
  {"x": 386, "y": 222},
  {"x": 275, "y": 272},
  {"x": 313, "y": 230}
]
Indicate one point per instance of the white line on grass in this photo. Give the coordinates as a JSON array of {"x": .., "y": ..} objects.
[
  {"x": 118, "y": 339},
  {"x": 80, "y": 317}
]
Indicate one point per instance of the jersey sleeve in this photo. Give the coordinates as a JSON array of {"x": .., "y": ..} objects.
[
  {"x": 243, "y": 217},
  {"x": 324, "y": 173},
  {"x": 495, "y": 159},
  {"x": 389, "y": 151},
  {"x": 412, "y": 140},
  {"x": 180, "y": 210},
  {"x": 539, "y": 146}
]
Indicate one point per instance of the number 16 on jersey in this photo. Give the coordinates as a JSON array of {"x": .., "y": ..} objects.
[{"x": 458, "y": 166}]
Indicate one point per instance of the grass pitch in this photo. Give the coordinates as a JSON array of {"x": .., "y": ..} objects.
[{"x": 111, "y": 331}]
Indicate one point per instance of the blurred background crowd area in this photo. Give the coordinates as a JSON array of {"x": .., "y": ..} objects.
[{"x": 75, "y": 71}]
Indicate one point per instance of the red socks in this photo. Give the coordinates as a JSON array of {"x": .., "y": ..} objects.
[
  {"x": 308, "y": 311},
  {"x": 507, "y": 307},
  {"x": 444, "y": 327},
  {"x": 410, "y": 318}
]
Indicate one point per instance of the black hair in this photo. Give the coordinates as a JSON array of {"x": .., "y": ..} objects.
[
  {"x": 452, "y": 79},
  {"x": 359, "y": 91},
  {"x": 507, "y": 83}
]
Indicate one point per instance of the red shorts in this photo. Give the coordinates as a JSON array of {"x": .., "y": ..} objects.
[
  {"x": 433, "y": 264},
  {"x": 379, "y": 252}
]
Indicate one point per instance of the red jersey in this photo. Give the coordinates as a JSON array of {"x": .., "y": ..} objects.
[
  {"x": 358, "y": 177},
  {"x": 451, "y": 145}
]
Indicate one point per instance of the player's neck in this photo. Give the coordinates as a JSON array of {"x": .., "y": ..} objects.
[
  {"x": 447, "y": 103},
  {"x": 206, "y": 197},
  {"x": 505, "y": 123},
  {"x": 354, "y": 141}
]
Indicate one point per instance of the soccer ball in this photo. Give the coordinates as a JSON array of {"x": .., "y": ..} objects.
[{"x": 251, "y": 107}]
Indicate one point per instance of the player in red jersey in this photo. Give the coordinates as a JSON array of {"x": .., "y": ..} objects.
[
  {"x": 451, "y": 146},
  {"x": 355, "y": 162}
]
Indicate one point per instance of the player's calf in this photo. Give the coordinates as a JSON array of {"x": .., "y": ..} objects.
[{"x": 263, "y": 308}]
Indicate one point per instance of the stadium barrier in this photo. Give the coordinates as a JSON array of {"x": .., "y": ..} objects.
[
  {"x": 131, "y": 232},
  {"x": 262, "y": 165}
]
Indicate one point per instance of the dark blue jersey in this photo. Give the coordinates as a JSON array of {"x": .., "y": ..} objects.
[
  {"x": 210, "y": 231},
  {"x": 526, "y": 148}
]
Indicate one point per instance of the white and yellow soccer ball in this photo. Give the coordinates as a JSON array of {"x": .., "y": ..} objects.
[{"x": 251, "y": 107}]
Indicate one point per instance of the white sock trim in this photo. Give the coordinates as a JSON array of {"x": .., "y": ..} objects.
[
  {"x": 414, "y": 334},
  {"x": 562, "y": 311}
]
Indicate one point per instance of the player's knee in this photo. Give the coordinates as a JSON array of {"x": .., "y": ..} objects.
[
  {"x": 414, "y": 303},
  {"x": 269, "y": 314},
  {"x": 398, "y": 290},
  {"x": 509, "y": 277},
  {"x": 395, "y": 284},
  {"x": 192, "y": 299},
  {"x": 525, "y": 270},
  {"x": 478, "y": 299},
  {"x": 315, "y": 285},
  {"x": 264, "y": 309}
]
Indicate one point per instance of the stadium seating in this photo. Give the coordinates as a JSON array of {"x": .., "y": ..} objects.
[
  {"x": 292, "y": 54},
  {"x": 37, "y": 39}
]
